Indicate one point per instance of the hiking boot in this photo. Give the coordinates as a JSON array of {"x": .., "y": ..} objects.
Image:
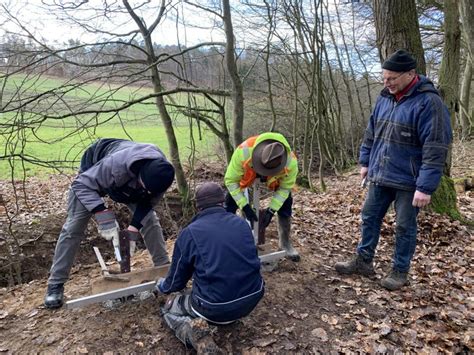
[
  {"x": 202, "y": 339},
  {"x": 395, "y": 280},
  {"x": 355, "y": 266},
  {"x": 54, "y": 296}
]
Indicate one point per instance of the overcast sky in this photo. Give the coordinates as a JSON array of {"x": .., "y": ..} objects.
[{"x": 50, "y": 26}]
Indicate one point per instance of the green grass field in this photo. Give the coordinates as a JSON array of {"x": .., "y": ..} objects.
[{"x": 59, "y": 140}]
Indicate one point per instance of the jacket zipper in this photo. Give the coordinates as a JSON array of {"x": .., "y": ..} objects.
[{"x": 384, "y": 156}]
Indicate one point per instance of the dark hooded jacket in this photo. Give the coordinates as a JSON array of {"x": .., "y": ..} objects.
[{"x": 107, "y": 169}]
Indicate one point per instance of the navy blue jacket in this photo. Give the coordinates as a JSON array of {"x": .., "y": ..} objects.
[
  {"x": 218, "y": 251},
  {"x": 406, "y": 142}
]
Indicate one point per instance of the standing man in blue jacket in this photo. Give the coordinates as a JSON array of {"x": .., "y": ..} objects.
[
  {"x": 218, "y": 252},
  {"x": 136, "y": 174},
  {"x": 402, "y": 159}
]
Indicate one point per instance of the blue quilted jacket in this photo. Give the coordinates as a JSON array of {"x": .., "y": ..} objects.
[{"x": 406, "y": 142}]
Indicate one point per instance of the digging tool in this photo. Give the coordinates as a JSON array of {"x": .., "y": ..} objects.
[
  {"x": 261, "y": 228},
  {"x": 124, "y": 251},
  {"x": 105, "y": 271},
  {"x": 256, "y": 206}
]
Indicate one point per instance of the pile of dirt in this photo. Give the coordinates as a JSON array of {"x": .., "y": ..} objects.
[{"x": 307, "y": 308}]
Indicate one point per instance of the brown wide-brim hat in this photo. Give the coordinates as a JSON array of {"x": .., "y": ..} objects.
[{"x": 269, "y": 157}]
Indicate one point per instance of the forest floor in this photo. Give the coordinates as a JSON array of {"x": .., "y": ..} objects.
[{"x": 307, "y": 307}]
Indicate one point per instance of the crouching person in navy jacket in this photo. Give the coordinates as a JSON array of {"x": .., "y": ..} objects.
[{"x": 218, "y": 252}]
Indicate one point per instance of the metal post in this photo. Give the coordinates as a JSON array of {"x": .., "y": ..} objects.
[{"x": 256, "y": 206}]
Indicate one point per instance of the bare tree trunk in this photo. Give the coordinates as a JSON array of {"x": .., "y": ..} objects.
[
  {"x": 160, "y": 102},
  {"x": 444, "y": 198},
  {"x": 465, "y": 119},
  {"x": 449, "y": 71},
  {"x": 466, "y": 12},
  {"x": 396, "y": 27},
  {"x": 231, "y": 62},
  {"x": 270, "y": 15},
  {"x": 354, "y": 115}
]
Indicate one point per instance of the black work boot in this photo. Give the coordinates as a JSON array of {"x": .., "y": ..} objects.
[
  {"x": 395, "y": 280},
  {"x": 284, "y": 227},
  {"x": 54, "y": 296},
  {"x": 355, "y": 266}
]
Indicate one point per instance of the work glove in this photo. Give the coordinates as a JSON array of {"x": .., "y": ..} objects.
[
  {"x": 109, "y": 229},
  {"x": 250, "y": 214},
  {"x": 267, "y": 217},
  {"x": 107, "y": 225}
]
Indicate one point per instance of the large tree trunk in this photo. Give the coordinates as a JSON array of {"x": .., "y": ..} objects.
[
  {"x": 466, "y": 9},
  {"x": 466, "y": 12},
  {"x": 465, "y": 119},
  {"x": 449, "y": 88},
  {"x": 231, "y": 62},
  {"x": 396, "y": 27}
]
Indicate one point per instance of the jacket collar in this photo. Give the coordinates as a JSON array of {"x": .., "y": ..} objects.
[
  {"x": 423, "y": 85},
  {"x": 208, "y": 211}
]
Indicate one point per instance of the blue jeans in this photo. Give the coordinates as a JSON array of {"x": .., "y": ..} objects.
[{"x": 375, "y": 207}]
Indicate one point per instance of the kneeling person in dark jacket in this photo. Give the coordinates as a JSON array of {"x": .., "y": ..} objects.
[
  {"x": 217, "y": 250},
  {"x": 136, "y": 174}
]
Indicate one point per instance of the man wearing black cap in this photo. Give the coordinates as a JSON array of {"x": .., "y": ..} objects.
[
  {"x": 269, "y": 158},
  {"x": 218, "y": 252},
  {"x": 402, "y": 158},
  {"x": 136, "y": 174}
]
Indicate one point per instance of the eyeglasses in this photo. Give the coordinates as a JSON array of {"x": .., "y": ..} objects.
[{"x": 394, "y": 78}]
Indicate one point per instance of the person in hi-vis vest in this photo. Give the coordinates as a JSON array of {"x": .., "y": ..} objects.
[{"x": 268, "y": 157}]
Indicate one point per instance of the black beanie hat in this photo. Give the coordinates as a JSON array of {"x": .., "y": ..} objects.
[
  {"x": 400, "y": 61},
  {"x": 157, "y": 175},
  {"x": 209, "y": 194}
]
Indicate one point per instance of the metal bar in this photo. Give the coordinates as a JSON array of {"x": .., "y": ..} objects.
[
  {"x": 272, "y": 256},
  {"x": 256, "y": 206},
  {"x": 146, "y": 286},
  {"x": 100, "y": 297}
]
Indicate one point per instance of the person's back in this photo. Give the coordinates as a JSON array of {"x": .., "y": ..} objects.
[
  {"x": 227, "y": 266},
  {"x": 217, "y": 250}
]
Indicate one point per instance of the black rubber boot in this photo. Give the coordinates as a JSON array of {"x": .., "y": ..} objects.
[
  {"x": 54, "y": 296},
  {"x": 284, "y": 228}
]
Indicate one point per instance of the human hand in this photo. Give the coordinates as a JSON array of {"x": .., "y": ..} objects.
[
  {"x": 421, "y": 199},
  {"x": 267, "y": 217},
  {"x": 250, "y": 213},
  {"x": 157, "y": 291},
  {"x": 107, "y": 225},
  {"x": 363, "y": 172}
]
